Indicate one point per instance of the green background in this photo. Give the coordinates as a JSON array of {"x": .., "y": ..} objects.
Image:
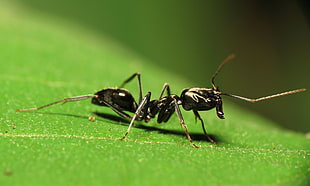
[
  {"x": 271, "y": 40},
  {"x": 45, "y": 58}
]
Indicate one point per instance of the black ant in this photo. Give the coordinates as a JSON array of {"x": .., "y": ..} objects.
[{"x": 195, "y": 99}]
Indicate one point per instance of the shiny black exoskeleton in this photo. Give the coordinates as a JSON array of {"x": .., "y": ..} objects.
[
  {"x": 196, "y": 99},
  {"x": 200, "y": 99},
  {"x": 116, "y": 98}
]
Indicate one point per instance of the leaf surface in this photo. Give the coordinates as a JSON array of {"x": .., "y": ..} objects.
[{"x": 44, "y": 59}]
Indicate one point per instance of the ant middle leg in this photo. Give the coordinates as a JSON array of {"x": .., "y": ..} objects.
[
  {"x": 166, "y": 88},
  {"x": 140, "y": 113}
]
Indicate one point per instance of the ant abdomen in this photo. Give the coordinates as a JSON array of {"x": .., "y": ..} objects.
[{"x": 120, "y": 99}]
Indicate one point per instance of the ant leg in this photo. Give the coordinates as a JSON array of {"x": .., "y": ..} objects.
[
  {"x": 144, "y": 102},
  {"x": 203, "y": 127},
  {"x": 166, "y": 87},
  {"x": 139, "y": 82},
  {"x": 77, "y": 98},
  {"x": 130, "y": 78},
  {"x": 178, "y": 111},
  {"x": 119, "y": 112}
]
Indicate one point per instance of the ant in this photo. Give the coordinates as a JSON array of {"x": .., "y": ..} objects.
[{"x": 195, "y": 99}]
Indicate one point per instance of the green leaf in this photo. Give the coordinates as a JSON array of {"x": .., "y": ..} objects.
[{"x": 44, "y": 59}]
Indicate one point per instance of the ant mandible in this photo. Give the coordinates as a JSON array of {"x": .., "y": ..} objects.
[{"x": 195, "y": 99}]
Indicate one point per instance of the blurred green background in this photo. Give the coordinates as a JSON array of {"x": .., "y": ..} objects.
[{"x": 270, "y": 38}]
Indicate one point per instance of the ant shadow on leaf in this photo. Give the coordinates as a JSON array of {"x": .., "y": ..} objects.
[
  {"x": 118, "y": 120},
  {"x": 122, "y": 121}
]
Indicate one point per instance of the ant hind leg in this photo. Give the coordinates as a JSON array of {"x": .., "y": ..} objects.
[{"x": 138, "y": 74}]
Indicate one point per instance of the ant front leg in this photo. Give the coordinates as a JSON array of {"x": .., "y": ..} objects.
[
  {"x": 203, "y": 127},
  {"x": 140, "y": 113},
  {"x": 179, "y": 114},
  {"x": 139, "y": 82}
]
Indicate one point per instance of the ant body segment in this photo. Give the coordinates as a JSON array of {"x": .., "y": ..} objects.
[{"x": 195, "y": 99}]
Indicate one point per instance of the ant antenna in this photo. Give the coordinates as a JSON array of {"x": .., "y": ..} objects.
[
  {"x": 77, "y": 98},
  {"x": 229, "y": 58},
  {"x": 265, "y": 97}
]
